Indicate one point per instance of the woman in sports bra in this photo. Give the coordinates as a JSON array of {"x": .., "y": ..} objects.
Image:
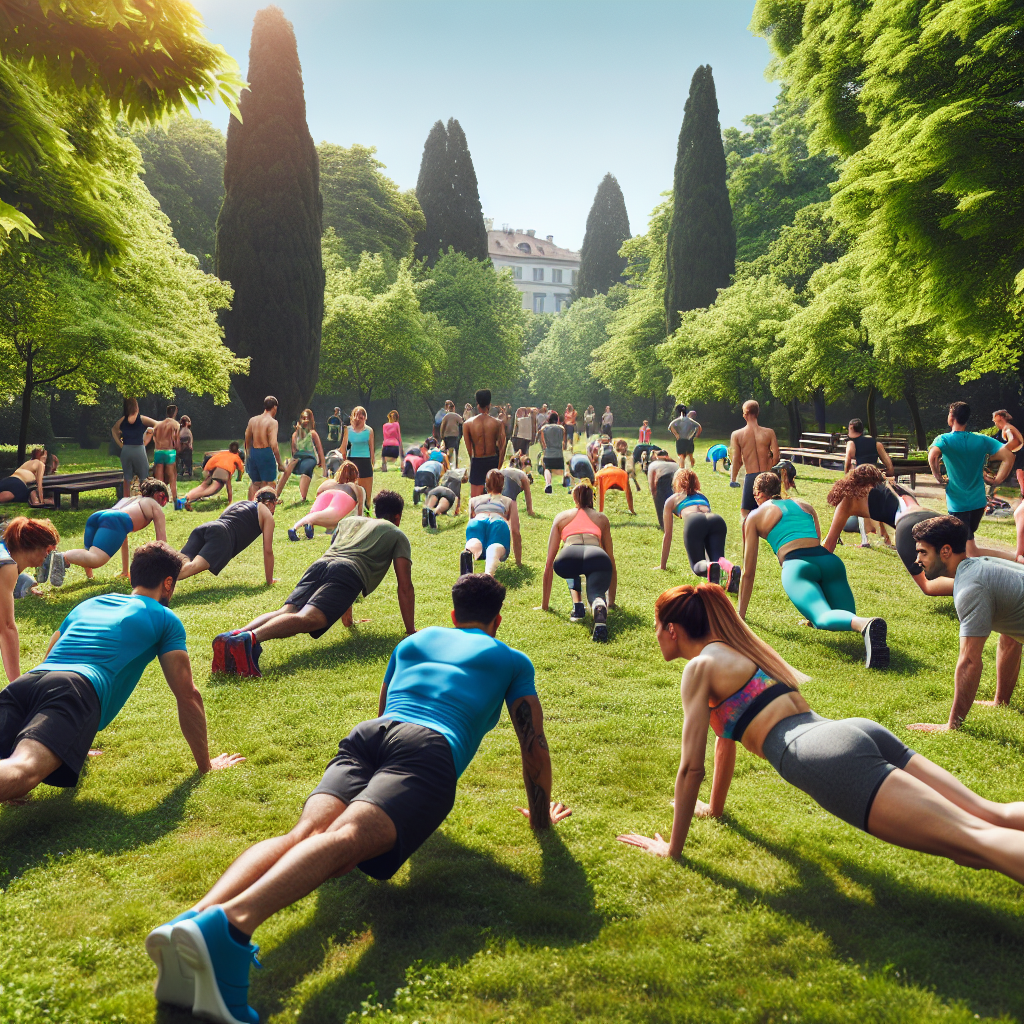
[
  {"x": 307, "y": 454},
  {"x": 360, "y": 440},
  {"x": 493, "y": 527},
  {"x": 1014, "y": 441},
  {"x": 132, "y": 432},
  {"x": 704, "y": 532},
  {"x": 814, "y": 579},
  {"x": 854, "y": 768},
  {"x": 25, "y": 484},
  {"x": 334, "y": 500},
  {"x": 580, "y": 544},
  {"x": 867, "y": 493}
]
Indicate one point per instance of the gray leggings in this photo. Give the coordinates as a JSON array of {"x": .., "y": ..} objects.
[
  {"x": 134, "y": 462},
  {"x": 839, "y": 764}
]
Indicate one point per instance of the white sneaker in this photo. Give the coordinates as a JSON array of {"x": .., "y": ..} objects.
[
  {"x": 58, "y": 567},
  {"x": 175, "y": 982}
]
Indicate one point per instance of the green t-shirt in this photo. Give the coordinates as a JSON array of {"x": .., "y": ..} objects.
[{"x": 369, "y": 546}]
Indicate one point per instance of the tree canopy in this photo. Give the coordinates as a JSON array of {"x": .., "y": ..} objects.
[{"x": 601, "y": 264}]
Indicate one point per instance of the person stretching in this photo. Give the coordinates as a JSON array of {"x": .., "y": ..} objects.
[
  {"x": 493, "y": 528},
  {"x": 16, "y": 487},
  {"x": 414, "y": 458},
  {"x": 854, "y": 768},
  {"x": 307, "y": 454},
  {"x": 660, "y": 472},
  {"x": 485, "y": 443},
  {"x": 517, "y": 481},
  {"x": 552, "y": 439},
  {"x": 210, "y": 546},
  {"x": 358, "y": 558},
  {"x": 49, "y": 716},
  {"x": 262, "y": 456},
  {"x": 108, "y": 530},
  {"x": 360, "y": 438},
  {"x": 580, "y": 544},
  {"x": 715, "y": 454},
  {"x": 390, "y": 440},
  {"x": 814, "y": 579},
  {"x": 25, "y": 545},
  {"x": 445, "y": 498},
  {"x": 390, "y": 787},
  {"x": 428, "y": 475},
  {"x": 703, "y": 532},
  {"x": 217, "y": 474},
  {"x": 165, "y": 450},
  {"x": 334, "y": 500},
  {"x": 867, "y": 494},
  {"x": 612, "y": 478},
  {"x": 989, "y": 598}
]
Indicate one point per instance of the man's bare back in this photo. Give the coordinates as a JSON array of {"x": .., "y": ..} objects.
[
  {"x": 261, "y": 432},
  {"x": 754, "y": 446},
  {"x": 484, "y": 436},
  {"x": 165, "y": 434}
]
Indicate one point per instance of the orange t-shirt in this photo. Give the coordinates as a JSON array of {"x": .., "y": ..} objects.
[
  {"x": 225, "y": 460},
  {"x": 570, "y": 418}
]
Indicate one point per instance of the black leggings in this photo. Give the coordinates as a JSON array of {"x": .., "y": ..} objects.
[
  {"x": 906, "y": 546},
  {"x": 662, "y": 492},
  {"x": 704, "y": 539},
  {"x": 590, "y": 560}
]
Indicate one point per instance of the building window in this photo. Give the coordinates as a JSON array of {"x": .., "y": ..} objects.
[
  {"x": 574, "y": 275},
  {"x": 517, "y": 273},
  {"x": 561, "y": 302},
  {"x": 538, "y": 301},
  {"x": 556, "y": 276},
  {"x": 524, "y": 247},
  {"x": 538, "y": 273}
]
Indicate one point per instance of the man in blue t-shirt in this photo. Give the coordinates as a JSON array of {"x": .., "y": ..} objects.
[
  {"x": 390, "y": 787},
  {"x": 49, "y": 716},
  {"x": 965, "y": 455}
]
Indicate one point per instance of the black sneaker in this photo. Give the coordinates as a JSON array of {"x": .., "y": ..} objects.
[
  {"x": 432, "y": 518},
  {"x": 600, "y": 623},
  {"x": 875, "y": 634},
  {"x": 735, "y": 574},
  {"x": 465, "y": 562},
  {"x": 424, "y": 518},
  {"x": 715, "y": 573}
]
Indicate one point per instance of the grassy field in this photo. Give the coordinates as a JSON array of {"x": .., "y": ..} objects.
[{"x": 778, "y": 912}]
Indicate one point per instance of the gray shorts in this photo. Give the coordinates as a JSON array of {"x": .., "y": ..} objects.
[{"x": 839, "y": 764}]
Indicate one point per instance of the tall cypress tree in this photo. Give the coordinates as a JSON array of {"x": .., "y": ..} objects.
[
  {"x": 449, "y": 196},
  {"x": 601, "y": 266},
  {"x": 700, "y": 256},
  {"x": 268, "y": 232}
]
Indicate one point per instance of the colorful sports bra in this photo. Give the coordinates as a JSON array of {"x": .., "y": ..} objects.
[
  {"x": 730, "y": 719},
  {"x": 491, "y": 506},
  {"x": 795, "y": 524},
  {"x": 693, "y": 501},
  {"x": 581, "y": 523}
]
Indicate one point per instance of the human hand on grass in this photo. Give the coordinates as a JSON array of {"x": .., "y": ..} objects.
[
  {"x": 700, "y": 809},
  {"x": 657, "y": 846},
  {"x": 225, "y": 761},
  {"x": 558, "y": 812}
]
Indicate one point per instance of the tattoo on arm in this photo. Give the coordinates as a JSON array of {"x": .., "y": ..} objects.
[{"x": 523, "y": 722}]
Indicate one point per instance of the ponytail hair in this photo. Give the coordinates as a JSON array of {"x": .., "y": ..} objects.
[
  {"x": 684, "y": 481},
  {"x": 767, "y": 484},
  {"x": 583, "y": 494},
  {"x": 24, "y": 534},
  {"x": 704, "y": 611}
]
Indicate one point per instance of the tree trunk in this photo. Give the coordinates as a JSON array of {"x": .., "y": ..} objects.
[
  {"x": 795, "y": 425},
  {"x": 819, "y": 409},
  {"x": 26, "y": 408},
  {"x": 872, "y": 392},
  {"x": 910, "y": 394},
  {"x": 655, "y": 403}
]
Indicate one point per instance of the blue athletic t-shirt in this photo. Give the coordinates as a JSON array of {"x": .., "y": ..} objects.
[
  {"x": 965, "y": 454},
  {"x": 454, "y": 681},
  {"x": 110, "y": 640},
  {"x": 436, "y": 455}
]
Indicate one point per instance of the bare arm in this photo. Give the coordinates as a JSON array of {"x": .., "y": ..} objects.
[
  {"x": 247, "y": 441},
  {"x": 1006, "y": 459},
  {"x": 159, "y": 521},
  {"x": 369, "y": 441},
  {"x": 383, "y": 699},
  {"x": 528, "y": 497},
  {"x": 734, "y": 449},
  {"x": 517, "y": 537},
  {"x": 274, "y": 448},
  {"x": 606, "y": 543},
  {"x": 406, "y": 594},
  {"x": 966, "y": 678},
  {"x": 267, "y": 527},
  {"x": 53, "y": 640},
  {"x": 851, "y": 452},
  {"x": 725, "y": 765},
  {"x": 751, "y": 546},
  {"x": 667, "y": 517},
  {"x": 39, "y": 480},
  {"x": 10, "y": 645},
  {"x": 528, "y": 721},
  {"x": 886, "y": 461},
  {"x": 935, "y": 462},
  {"x": 554, "y": 540},
  {"x": 502, "y": 444},
  {"x": 115, "y": 432}
]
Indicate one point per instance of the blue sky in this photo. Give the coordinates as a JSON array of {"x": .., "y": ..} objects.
[{"x": 552, "y": 94}]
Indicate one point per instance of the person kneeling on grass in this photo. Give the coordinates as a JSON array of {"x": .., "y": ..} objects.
[
  {"x": 49, "y": 716},
  {"x": 853, "y": 768},
  {"x": 493, "y": 527},
  {"x": 212, "y": 545},
  {"x": 108, "y": 530},
  {"x": 217, "y": 474},
  {"x": 444, "y": 499},
  {"x": 358, "y": 558},
  {"x": 391, "y": 785},
  {"x": 717, "y": 453}
]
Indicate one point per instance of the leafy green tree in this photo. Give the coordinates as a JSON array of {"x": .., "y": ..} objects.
[
  {"x": 366, "y": 209},
  {"x": 268, "y": 234},
  {"x": 183, "y": 162},
  {"x": 701, "y": 245},
  {"x": 601, "y": 264}
]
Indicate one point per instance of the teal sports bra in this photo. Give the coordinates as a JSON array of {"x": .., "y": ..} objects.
[
  {"x": 795, "y": 524},
  {"x": 360, "y": 442},
  {"x": 691, "y": 502}
]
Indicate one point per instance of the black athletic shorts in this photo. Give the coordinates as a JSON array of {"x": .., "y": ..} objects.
[
  {"x": 480, "y": 467},
  {"x": 330, "y": 584},
  {"x": 407, "y": 771},
  {"x": 521, "y": 445},
  {"x": 972, "y": 520},
  {"x": 212, "y": 541},
  {"x": 17, "y": 487},
  {"x": 451, "y": 442},
  {"x": 391, "y": 451},
  {"x": 59, "y": 710},
  {"x": 747, "y": 503},
  {"x": 554, "y": 462},
  {"x": 364, "y": 465},
  {"x": 443, "y": 492},
  {"x": 684, "y": 446}
]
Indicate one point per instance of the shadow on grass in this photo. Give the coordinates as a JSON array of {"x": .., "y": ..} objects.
[
  {"x": 356, "y": 646},
  {"x": 183, "y": 597},
  {"x": 623, "y": 620},
  {"x": 515, "y": 576},
  {"x": 953, "y": 945},
  {"x": 455, "y": 902},
  {"x": 850, "y": 645},
  {"x": 31, "y": 835}
]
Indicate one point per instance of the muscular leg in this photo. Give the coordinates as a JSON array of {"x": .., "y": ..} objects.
[
  {"x": 325, "y": 517},
  {"x": 207, "y": 489},
  {"x": 285, "y": 624},
  {"x": 193, "y": 567},
  {"x": 1008, "y": 815},
  {"x": 28, "y": 765},
  {"x": 1007, "y": 671},
  {"x": 91, "y": 559},
  {"x": 304, "y": 482},
  {"x": 261, "y": 620}
]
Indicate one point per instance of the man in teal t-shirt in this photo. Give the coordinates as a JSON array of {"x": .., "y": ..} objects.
[
  {"x": 390, "y": 787},
  {"x": 49, "y": 716},
  {"x": 965, "y": 455}
]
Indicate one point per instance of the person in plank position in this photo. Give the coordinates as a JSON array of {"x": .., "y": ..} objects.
[
  {"x": 391, "y": 785},
  {"x": 49, "y": 716},
  {"x": 217, "y": 474},
  {"x": 212, "y": 545},
  {"x": 358, "y": 558}
]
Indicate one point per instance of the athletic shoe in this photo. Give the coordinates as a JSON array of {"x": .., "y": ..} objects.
[
  {"x": 465, "y": 562},
  {"x": 308, "y": 530},
  {"x": 432, "y": 519},
  {"x": 220, "y": 661},
  {"x": 875, "y": 634},
  {"x": 565, "y": 481},
  {"x": 175, "y": 983},
  {"x": 734, "y": 579},
  {"x": 600, "y": 622},
  {"x": 579, "y": 613},
  {"x": 292, "y": 535},
  {"x": 425, "y": 518},
  {"x": 58, "y": 567},
  {"x": 715, "y": 573},
  {"x": 220, "y": 966},
  {"x": 43, "y": 572},
  {"x": 547, "y": 489},
  {"x": 179, "y": 504},
  {"x": 243, "y": 652},
  {"x": 23, "y": 584}
]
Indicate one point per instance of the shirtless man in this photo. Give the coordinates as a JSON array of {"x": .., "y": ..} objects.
[
  {"x": 451, "y": 425},
  {"x": 262, "y": 458},
  {"x": 757, "y": 449},
  {"x": 485, "y": 443},
  {"x": 165, "y": 450}
]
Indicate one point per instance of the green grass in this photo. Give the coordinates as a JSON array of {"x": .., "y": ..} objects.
[{"x": 778, "y": 912}]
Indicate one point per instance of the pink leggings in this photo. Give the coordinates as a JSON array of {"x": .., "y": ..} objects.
[{"x": 337, "y": 501}]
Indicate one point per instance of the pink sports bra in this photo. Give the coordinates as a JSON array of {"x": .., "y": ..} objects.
[
  {"x": 581, "y": 523},
  {"x": 731, "y": 718}
]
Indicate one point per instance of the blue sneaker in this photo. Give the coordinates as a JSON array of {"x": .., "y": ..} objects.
[
  {"x": 220, "y": 966},
  {"x": 292, "y": 535},
  {"x": 23, "y": 585},
  {"x": 175, "y": 983},
  {"x": 43, "y": 572},
  {"x": 308, "y": 529},
  {"x": 179, "y": 504}
]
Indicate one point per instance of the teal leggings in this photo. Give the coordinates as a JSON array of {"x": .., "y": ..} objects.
[{"x": 815, "y": 581}]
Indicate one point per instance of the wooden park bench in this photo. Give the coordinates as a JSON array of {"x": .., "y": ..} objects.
[
  {"x": 75, "y": 483},
  {"x": 828, "y": 451}
]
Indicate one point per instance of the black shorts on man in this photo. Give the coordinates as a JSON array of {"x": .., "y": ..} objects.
[
  {"x": 329, "y": 584},
  {"x": 684, "y": 446},
  {"x": 748, "y": 504},
  {"x": 971, "y": 519},
  {"x": 213, "y": 541},
  {"x": 479, "y": 467},
  {"x": 59, "y": 710}
]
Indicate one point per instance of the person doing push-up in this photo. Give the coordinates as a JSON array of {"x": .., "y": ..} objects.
[{"x": 493, "y": 527}]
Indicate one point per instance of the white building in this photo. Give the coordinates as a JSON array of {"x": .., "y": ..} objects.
[{"x": 542, "y": 271}]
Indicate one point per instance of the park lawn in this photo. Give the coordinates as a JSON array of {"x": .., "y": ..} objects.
[{"x": 777, "y": 913}]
